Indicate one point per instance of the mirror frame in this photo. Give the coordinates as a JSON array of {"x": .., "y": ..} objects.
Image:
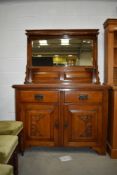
[
  {"x": 50, "y": 34},
  {"x": 59, "y": 33}
]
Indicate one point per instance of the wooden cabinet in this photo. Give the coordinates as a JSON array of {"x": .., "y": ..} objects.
[
  {"x": 39, "y": 111},
  {"x": 63, "y": 117},
  {"x": 112, "y": 123},
  {"x": 40, "y": 123},
  {"x": 62, "y": 102},
  {"x": 81, "y": 121},
  {"x": 110, "y": 27},
  {"x": 84, "y": 118}
]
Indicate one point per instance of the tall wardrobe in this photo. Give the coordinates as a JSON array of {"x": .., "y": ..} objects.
[{"x": 110, "y": 36}]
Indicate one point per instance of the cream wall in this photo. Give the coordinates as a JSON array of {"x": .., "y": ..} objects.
[{"x": 16, "y": 16}]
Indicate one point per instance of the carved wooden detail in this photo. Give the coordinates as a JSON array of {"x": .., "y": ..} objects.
[
  {"x": 88, "y": 126},
  {"x": 40, "y": 122},
  {"x": 35, "y": 129}
]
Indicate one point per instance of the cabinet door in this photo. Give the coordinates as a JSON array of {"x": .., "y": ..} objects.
[
  {"x": 40, "y": 124},
  {"x": 82, "y": 125}
]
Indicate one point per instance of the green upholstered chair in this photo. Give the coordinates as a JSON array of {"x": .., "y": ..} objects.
[
  {"x": 12, "y": 128},
  {"x": 8, "y": 144},
  {"x": 6, "y": 169},
  {"x": 8, "y": 151}
]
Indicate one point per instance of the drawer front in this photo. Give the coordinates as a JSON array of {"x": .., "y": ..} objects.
[
  {"x": 83, "y": 97},
  {"x": 39, "y": 96}
]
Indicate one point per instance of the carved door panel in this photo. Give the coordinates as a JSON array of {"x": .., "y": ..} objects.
[
  {"x": 82, "y": 125},
  {"x": 41, "y": 124}
]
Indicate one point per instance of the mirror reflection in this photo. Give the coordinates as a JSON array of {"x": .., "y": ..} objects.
[{"x": 62, "y": 52}]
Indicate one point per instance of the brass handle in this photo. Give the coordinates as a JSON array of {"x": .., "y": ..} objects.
[
  {"x": 39, "y": 97},
  {"x": 83, "y": 97}
]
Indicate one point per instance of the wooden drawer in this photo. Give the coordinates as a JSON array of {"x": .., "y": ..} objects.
[
  {"x": 83, "y": 97},
  {"x": 39, "y": 96}
]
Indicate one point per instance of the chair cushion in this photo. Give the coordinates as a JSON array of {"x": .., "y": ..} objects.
[
  {"x": 6, "y": 169},
  {"x": 8, "y": 144},
  {"x": 10, "y": 127}
]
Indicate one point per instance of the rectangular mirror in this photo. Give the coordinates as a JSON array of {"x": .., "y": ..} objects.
[{"x": 64, "y": 51}]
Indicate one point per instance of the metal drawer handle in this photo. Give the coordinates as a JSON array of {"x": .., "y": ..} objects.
[
  {"x": 83, "y": 97},
  {"x": 39, "y": 97}
]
